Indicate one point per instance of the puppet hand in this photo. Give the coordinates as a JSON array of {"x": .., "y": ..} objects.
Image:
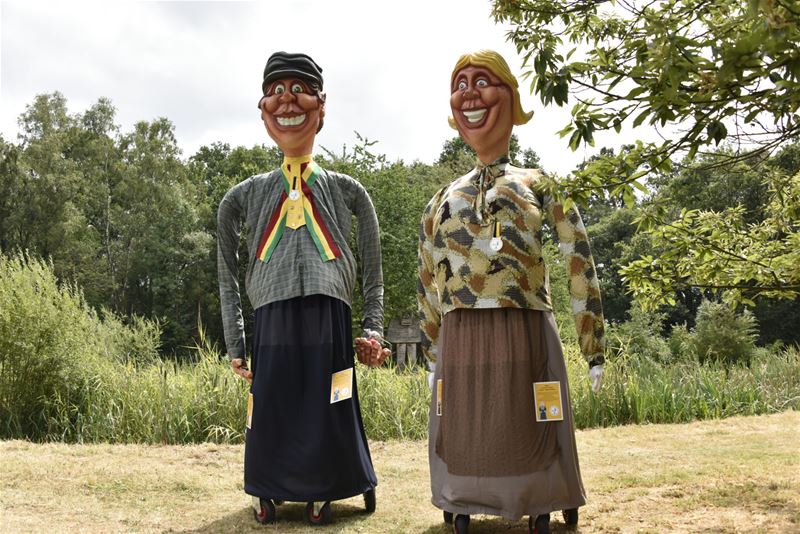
[
  {"x": 595, "y": 377},
  {"x": 239, "y": 367},
  {"x": 370, "y": 352}
]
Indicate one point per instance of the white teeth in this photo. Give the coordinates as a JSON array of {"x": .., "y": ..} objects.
[
  {"x": 291, "y": 121},
  {"x": 474, "y": 115}
]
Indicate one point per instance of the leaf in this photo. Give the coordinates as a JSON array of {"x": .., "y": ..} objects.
[
  {"x": 638, "y": 120},
  {"x": 575, "y": 140},
  {"x": 636, "y": 91},
  {"x": 637, "y": 184}
]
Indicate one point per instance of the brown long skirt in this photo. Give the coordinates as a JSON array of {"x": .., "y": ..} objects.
[{"x": 488, "y": 455}]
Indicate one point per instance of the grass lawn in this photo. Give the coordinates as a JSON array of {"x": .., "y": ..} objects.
[{"x": 734, "y": 475}]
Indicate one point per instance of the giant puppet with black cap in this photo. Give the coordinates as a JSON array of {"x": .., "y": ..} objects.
[{"x": 305, "y": 436}]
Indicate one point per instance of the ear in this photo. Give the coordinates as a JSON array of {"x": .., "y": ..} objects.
[{"x": 321, "y": 98}]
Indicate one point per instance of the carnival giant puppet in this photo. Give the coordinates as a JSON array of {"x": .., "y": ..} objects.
[
  {"x": 501, "y": 434},
  {"x": 305, "y": 438}
]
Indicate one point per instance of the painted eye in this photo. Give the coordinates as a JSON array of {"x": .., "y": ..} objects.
[
  {"x": 279, "y": 89},
  {"x": 482, "y": 83},
  {"x": 297, "y": 88},
  {"x": 462, "y": 85}
]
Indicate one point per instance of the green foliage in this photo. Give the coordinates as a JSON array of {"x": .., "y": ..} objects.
[
  {"x": 721, "y": 250},
  {"x": 459, "y": 157},
  {"x": 640, "y": 390},
  {"x": 115, "y": 212},
  {"x": 559, "y": 291},
  {"x": 711, "y": 72},
  {"x": 54, "y": 349},
  {"x": 723, "y": 336},
  {"x": 704, "y": 63},
  {"x": 680, "y": 343},
  {"x": 640, "y": 336},
  {"x": 67, "y": 375},
  {"x": 394, "y": 405}
]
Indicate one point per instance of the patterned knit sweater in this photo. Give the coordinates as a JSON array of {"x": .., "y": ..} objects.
[{"x": 481, "y": 247}]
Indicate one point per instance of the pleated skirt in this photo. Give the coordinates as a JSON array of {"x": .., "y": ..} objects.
[
  {"x": 487, "y": 453},
  {"x": 299, "y": 446}
]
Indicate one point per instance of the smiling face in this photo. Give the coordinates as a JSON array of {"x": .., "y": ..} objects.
[
  {"x": 292, "y": 112},
  {"x": 482, "y": 108}
]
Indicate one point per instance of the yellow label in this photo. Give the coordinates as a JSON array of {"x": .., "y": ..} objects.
[
  {"x": 342, "y": 385},
  {"x": 439, "y": 397},
  {"x": 250, "y": 410},
  {"x": 547, "y": 401}
]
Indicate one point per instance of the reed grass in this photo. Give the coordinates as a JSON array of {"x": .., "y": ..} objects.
[
  {"x": 172, "y": 403},
  {"x": 69, "y": 374}
]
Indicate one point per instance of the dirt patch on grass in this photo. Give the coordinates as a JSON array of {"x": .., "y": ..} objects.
[{"x": 733, "y": 475}]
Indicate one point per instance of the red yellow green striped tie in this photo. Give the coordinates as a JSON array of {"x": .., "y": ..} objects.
[{"x": 298, "y": 196}]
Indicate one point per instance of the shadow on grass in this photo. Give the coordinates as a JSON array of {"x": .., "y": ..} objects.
[
  {"x": 493, "y": 525},
  {"x": 290, "y": 518}
]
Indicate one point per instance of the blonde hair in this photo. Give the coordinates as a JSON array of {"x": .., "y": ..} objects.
[{"x": 493, "y": 61}]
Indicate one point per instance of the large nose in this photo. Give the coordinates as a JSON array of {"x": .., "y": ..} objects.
[
  {"x": 287, "y": 96},
  {"x": 470, "y": 93}
]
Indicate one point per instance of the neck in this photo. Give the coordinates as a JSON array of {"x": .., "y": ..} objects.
[
  {"x": 489, "y": 155},
  {"x": 486, "y": 160},
  {"x": 298, "y": 151},
  {"x": 303, "y": 158}
]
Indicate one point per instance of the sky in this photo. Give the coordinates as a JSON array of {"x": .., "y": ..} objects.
[{"x": 386, "y": 66}]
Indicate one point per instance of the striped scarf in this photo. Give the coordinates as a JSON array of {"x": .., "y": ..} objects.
[{"x": 297, "y": 206}]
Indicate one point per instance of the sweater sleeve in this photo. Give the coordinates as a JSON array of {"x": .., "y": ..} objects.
[
  {"x": 369, "y": 250},
  {"x": 430, "y": 313},
  {"x": 229, "y": 226},
  {"x": 584, "y": 287}
]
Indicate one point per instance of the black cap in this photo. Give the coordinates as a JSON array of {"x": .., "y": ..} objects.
[{"x": 283, "y": 64}]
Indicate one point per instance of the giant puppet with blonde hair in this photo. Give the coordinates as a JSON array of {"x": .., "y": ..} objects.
[{"x": 502, "y": 439}]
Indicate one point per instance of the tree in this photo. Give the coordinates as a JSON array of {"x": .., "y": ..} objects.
[
  {"x": 214, "y": 170},
  {"x": 460, "y": 157},
  {"x": 710, "y": 72}
]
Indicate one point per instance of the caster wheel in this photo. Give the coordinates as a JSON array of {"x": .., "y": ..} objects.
[
  {"x": 266, "y": 513},
  {"x": 370, "y": 501},
  {"x": 448, "y": 517},
  {"x": 570, "y": 517},
  {"x": 540, "y": 526},
  {"x": 324, "y": 516},
  {"x": 461, "y": 524}
]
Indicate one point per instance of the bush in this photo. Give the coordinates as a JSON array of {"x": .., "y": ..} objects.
[
  {"x": 640, "y": 336},
  {"x": 68, "y": 375},
  {"x": 721, "y": 335},
  {"x": 54, "y": 348},
  {"x": 680, "y": 344}
]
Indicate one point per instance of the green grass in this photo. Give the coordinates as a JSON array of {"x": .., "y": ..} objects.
[
  {"x": 70, "y": 374},
  {"x": 168, "y": 402},
  {"x": 639, "y": 390}
]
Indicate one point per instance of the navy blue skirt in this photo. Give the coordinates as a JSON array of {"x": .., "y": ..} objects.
[{"x": 299, "y": 446}]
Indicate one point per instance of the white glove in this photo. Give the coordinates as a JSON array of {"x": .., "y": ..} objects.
[{"x": 595, "y": 377}]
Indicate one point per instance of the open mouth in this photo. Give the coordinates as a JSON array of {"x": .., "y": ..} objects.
[
  {"x": 475, "y": 115},
  {"x": 291, "y": 121}
]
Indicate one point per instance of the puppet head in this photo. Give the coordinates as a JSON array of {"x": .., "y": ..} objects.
[
  {"x": 293, "y": 104},
  {"x": 485, "y": 103}
]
